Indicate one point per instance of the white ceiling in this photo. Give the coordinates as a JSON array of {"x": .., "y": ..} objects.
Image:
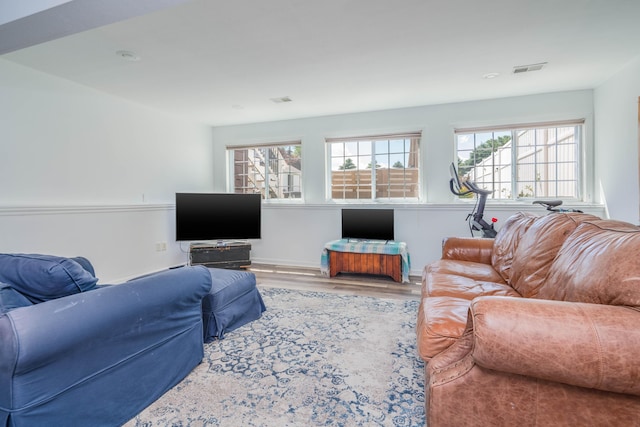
[{"x": 221, "y": 61}]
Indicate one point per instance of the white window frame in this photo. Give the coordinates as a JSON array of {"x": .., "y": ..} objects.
[
  {"x": 271, "y": 168},
  {"x": 363, "y": 185},
  {"x": 517, "y": 187}
]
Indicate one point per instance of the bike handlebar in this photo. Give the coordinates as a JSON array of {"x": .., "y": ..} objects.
[
  {"x": 472, "y": 188},
  {"x": 552, "y": 205}
]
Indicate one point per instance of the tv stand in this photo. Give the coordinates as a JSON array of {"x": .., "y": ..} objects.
[
  {"x": 388, "y": 258},
  {"x": 232, "y": 255},
  {"x": 368, "y": 263}
]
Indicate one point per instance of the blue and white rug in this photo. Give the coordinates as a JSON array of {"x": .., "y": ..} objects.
[{"x": 312, "y": 359}]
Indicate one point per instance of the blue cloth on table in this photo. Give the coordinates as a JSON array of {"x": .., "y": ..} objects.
[{"x": 387, "y": 247}]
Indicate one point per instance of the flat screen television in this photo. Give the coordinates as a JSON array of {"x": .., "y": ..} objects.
[
  {"x": 217, "y": 216},
  {"x": 367, "y": 224}
]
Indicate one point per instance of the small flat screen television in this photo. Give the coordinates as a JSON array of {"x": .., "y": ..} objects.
[
  {"x": 367, "y": 224},
  {"x": 217, "y": 216}
]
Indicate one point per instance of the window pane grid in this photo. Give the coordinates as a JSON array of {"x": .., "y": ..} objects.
[
  {"x": 546, "y": 161},
  {"x": 273, "y": 171},
  {"x": 374, "y": 169}
]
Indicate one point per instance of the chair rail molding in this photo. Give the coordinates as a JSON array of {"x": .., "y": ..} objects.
[{"x": 22, "y": 210}]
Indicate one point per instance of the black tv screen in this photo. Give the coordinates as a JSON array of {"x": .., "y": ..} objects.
[
  {"x": 217, "y": 216},
  {"x": 367, "y": 224}
]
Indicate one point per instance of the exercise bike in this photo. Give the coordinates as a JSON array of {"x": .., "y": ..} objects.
[{"x": 475, "y": 218}]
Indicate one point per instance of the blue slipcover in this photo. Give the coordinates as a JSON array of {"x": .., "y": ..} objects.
[
  {"x": 10, "y": 299},
  {"x": 98, "y": 358},
  {"x": 44, "y": 277},
  {"x": 86, "y": 264},
  {"x": 232, "y": 302}
]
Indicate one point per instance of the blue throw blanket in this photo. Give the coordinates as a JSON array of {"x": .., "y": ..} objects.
[{"x": 370, "y": 247}]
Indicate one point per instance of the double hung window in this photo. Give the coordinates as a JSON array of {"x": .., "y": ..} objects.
[
  {"x": 383, "y": 167},
  {"x": 273, "y": 170},
  {"x": 523, "y": 161}
]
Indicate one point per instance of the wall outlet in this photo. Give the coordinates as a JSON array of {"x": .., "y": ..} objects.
[{"x": 161, "y": 246}]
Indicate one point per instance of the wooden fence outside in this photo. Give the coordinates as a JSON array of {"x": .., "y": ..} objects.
[{"x": 390, "y": 183}]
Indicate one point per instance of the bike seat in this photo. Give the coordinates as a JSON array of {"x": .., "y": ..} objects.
[{"x": 549, "y": 203}]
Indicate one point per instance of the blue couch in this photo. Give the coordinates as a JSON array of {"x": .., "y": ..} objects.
[{"x": 77, "y": 353}]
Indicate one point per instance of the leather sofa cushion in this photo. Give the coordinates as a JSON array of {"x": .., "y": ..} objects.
[
  {"x": 586, "y": 345},
  {"x": 44, "y": 277},
  {"x": 453, "y": 285},
  {"x": 473, "y": 270},
  {"x": 441, "y": 322},
  {"x": 538, "y": 248},
  {"x": 507, "y": 240},
  {"x": 597, "y": 264},
  {"x": 468, "y": 249}
]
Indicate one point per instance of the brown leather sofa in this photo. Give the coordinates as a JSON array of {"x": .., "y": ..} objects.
[{"x": 537, "y": 327}]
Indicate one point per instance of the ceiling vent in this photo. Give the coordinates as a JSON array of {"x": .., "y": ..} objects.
[
  {"x": 128, "y": 55},
  {"x": 526, "y": 68},
  {"x": 281, "y": 99}
]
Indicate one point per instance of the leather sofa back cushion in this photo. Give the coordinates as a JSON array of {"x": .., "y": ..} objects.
[
  {"x": 44, "y": 277},
  {"x": 507, "y": 241},
  {"x": 597, "y": 264},
  {"x": 538, "y": 248}
]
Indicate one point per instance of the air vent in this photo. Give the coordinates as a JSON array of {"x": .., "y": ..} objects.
[
  {"x": 526, "y": 68},
  {"x": 281, "y": 99},
  {"x": 128, "y": 55}
]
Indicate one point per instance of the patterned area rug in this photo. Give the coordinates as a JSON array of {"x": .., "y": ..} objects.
[{"x": 312, "y": 359}]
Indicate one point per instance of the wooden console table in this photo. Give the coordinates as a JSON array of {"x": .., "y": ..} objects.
[{"x": 369, "y": 257}]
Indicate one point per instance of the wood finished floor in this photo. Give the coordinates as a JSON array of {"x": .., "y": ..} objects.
[{"x": 310, "y": 279}]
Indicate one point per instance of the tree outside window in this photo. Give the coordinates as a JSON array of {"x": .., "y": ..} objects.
[
  {"x": 375, "y": 168},
  {"x": 523, "y": 162}
]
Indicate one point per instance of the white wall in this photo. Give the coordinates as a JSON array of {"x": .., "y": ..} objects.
[
  {"x": 296, "y": 234},
  {"x": 84, "y": 173},
  {"x": 616, "y": 135}
]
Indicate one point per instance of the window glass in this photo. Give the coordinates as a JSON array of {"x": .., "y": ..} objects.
[
  {"x": 273, "y": 171},
  {"x": 374, "y": 168},
  {"x": 546, "y": 160}
]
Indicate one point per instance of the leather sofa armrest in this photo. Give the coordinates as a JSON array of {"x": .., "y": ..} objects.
[
  {"x": 586, "y": 345},
  {"x": 467, "y": 249}
]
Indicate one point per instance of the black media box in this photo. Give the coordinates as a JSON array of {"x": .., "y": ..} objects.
[{"x": 233, "y": 255}]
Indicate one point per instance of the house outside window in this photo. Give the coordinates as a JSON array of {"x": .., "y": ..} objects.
[
  {"x": 381, "y": 168},
  {"x": 523, "y": 161},
  {"x": 275, "y": 171}
]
